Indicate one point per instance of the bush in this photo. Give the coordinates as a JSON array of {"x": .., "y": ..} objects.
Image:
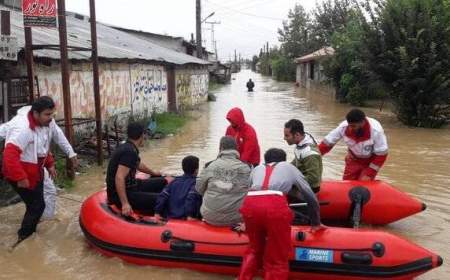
[
  {"x": 169, "y": 123},
  {"x": 357, "y": 96},
  {"x": 409, "y": 53},
  {"x": 346, "y": 67},
  {"x": 283, "y": 69}
]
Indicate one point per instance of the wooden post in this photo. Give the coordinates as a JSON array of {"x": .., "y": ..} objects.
[
  {"x": 171, "y": 89},
  {"x": 198, "y": 21},
  {"x": 6, "y": 22},
  {"x": 65, "y": 80},
  {"x": 29, "y": 62},
  {"x": 95, "y": 72}
]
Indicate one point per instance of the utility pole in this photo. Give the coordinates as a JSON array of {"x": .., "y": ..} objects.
[
  {"x": 6, "y": 22},
  {"x": 5, "y": 30},
  {"x": 65, "y": 80},
  {"x": 95, "y": 72},
  {"x": 215, "y": 50},
  {"x": 267, "y": 48},
  {"x": 199, "y": 28},
  {"x": 235, "y": 56},
  {"x": 213, "y": 41},
  {"x": 29, "y": 62}
]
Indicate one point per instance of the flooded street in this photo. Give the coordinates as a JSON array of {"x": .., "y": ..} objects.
[{"x": 418, "y": 163}]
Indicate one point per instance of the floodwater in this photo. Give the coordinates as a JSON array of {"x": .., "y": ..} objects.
[{"x": 418, "y": 163}]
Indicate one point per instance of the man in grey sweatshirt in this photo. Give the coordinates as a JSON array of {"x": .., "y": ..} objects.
[{"x": 223, "y": 185}]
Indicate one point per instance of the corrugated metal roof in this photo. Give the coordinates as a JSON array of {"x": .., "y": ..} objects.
[
  {"x": 112, "y": 43},
  {"x": 327, "y": 51}
]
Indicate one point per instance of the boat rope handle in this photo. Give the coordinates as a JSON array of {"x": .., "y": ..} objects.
[{"x": 167, "y": 235}]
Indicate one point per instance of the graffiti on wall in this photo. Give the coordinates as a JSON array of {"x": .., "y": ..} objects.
[
  {"x": 149, "y": 89},
  {"x": 142, "y": 88},
  {"x": 114, "y": 90},
  {"x": 192, "y": 88}
]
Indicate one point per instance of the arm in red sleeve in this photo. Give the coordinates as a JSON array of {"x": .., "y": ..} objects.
[
  {"x": 250, "y": 147},
  {"x": 12, "y": 169},
  {"x": 229, "y": 131},
  {"x": 375, "y": 166},
  {"x": 324, "y": 148},
  {"x": 49, "y": 161}
]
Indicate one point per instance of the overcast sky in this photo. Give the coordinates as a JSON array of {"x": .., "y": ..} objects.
[{"x": 245, "y": 24}]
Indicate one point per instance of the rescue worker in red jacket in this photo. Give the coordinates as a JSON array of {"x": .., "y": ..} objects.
[
  {"x": 245, "y": 136},
  {"x": 366, "y": 142},
  {"x": 267, "y": 217},
  {"x": 27, "y": 153}
]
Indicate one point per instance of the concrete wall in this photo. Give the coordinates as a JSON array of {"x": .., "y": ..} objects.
[
  {"x": 124, "y": 89},
  {"x": 149, "y": 89},
  {"x": 191, "y": 87},
  {"x": 303, "y": 74}
]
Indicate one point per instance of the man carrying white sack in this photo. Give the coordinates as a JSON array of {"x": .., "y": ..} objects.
[{"x": 50, "y": 191}]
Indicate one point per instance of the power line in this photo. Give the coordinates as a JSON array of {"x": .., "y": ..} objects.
[
  {"x": 247, "y": 6},
  {"x": 244, "y": 13}
]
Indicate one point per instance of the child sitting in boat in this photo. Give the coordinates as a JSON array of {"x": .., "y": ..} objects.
[{"x": 179, "y": 199}]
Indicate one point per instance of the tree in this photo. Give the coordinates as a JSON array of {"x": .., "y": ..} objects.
[
  {"x": 331, "y": 16},
  {"x": 409, "y": 51},
  {"x": 294, "y": 36},
  {"x": 283, "y": 68},
  {"x": 347, "y": 68}
]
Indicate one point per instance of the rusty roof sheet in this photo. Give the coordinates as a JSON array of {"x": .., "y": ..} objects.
[{"x": 112, "y": 43}]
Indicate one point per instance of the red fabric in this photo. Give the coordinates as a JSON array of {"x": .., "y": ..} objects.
[
  {"x": 49, "y": 161},
  {"x": 355, "y": 167},
  {"x": 245, "y": 135},
  {"x": 15, "y": 170},
  {"x": 269, "y": 170},
  {"x": 12, "y": 168},
  {"x": 268, "y": 224},
  {"x": 32, "y": 122},
  {"x": 324, "y": 148},
  {"x": 350, "y": 133},
  {"x": 378, "y": 161}
]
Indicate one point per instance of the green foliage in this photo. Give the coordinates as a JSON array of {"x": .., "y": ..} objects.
[
  {"x": 395, "y": 48},
  {"x": 169, "y": 123},
  {"x": 255, "y": 60},
  {"x": 347, "y": 68},
  {"x": 294, "y": 35},
  {"x": 409, "y": 52},
  {"x": 212, "y": 86},
  {"x": 61, "y": 178},
  {"x": 357, "y": 95},
  {"x": 331, "y": 16},
  {"x": 283, "y": 69}
]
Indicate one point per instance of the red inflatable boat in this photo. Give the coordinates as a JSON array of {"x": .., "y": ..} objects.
[
  {"x": 335, "y": 253},
  {"x": 361, "y": 201}
]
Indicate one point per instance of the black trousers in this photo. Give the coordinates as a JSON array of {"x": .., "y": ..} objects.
[
  {"x": 35, "y": 205},
  {"x": 143, "y": 195}
]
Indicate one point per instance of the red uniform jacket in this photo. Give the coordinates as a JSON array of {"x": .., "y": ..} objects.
[{"x": 245, "y": 135}]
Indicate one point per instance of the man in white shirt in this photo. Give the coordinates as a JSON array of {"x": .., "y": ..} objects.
[{"x": 366, "y": 142}]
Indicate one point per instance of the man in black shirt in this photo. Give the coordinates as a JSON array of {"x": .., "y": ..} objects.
[{"x": 123, "y": 189}]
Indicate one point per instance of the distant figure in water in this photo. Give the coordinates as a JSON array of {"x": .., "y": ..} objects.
[{"x": 250, "y": 85}]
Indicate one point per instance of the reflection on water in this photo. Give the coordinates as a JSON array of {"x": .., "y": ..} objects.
[{"x": 417, "y": 163}]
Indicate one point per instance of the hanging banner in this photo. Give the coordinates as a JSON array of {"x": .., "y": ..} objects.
[
  {"x": 8, "y": 47},
  {"x": 39, "y": 13}
]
